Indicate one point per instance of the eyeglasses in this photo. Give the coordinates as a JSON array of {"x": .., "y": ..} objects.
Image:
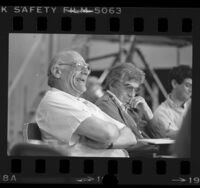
[
  {"x": 79, "y": 67},
  {"x": 128, "y": 86},
  {"x": 136, "y": 89}
]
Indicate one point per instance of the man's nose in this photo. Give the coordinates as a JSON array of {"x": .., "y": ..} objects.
[
  {"x": 85, "y": 74},
  {"x": 132, "y": 93},
  {"x": 85, "y": 71},
  {"x": 190, "y": 89}
]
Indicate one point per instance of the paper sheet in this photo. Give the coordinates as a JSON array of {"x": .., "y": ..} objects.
[{"x": 157, "y": 141}]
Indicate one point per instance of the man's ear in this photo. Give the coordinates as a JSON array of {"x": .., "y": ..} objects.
[
  {"x": 55, "y": 70},
  {"x": 174, "y": 83}
]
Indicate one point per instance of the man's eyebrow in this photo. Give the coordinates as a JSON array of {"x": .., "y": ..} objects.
[
  {"x": 188, "y": 83},
  {"x": 128, "y": 84}
]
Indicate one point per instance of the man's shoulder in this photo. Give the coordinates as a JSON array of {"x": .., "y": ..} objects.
[
  {"x": 163, "y": 109},
  {"x": 106, "y": 104},
  {"x": 56, "y": 97},
  {"x": 163, "y": 106}
]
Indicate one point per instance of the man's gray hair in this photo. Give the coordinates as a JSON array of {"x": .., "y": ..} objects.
[{"x": 124, "y": 72}]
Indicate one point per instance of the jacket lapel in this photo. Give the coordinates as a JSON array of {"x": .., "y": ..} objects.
[
  {"x": 130, "y": 123},
  {"x": 127, "y": 119}
]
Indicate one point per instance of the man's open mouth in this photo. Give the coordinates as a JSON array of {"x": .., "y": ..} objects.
[{"x": 81, "y": 80}]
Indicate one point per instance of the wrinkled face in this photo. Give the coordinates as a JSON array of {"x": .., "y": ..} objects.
[
  {"x": 75, "y": 75},
  {"x": 184, "y": 90},
  {"x": 127, "y": 90}
]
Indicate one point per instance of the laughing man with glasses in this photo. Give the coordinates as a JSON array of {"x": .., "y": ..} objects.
[{"x": 74, "y": 124}]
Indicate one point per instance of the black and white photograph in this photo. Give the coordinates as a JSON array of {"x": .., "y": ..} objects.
[{"x": 92, "y": 95}]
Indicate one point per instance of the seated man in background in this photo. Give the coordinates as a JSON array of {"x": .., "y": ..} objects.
[
  {"x": 121, "y": 103},
  {"x": 72, "y": 123},
  {"x": 169, "y": 115}
]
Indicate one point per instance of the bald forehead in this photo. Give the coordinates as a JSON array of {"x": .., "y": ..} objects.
[
  {"x": 65, "y": 57},
  {"x": 70, "y": 57}
]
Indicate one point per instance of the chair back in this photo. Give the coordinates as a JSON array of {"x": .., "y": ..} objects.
[
  {"x": 34, "y": 145},
  {"x": 32, "y": 132},
  {"x": 34, "y": 148}
]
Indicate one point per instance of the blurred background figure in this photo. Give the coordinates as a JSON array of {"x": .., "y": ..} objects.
[
  {"x": 181, "y": 148},
  {"x": 94, "y": 89}
]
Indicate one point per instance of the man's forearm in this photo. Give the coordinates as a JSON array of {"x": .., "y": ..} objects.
[
  {"x": 94, "y": 144},
  {"x": 172, "y": 134},
  {"x": 125, "y": 139},
  {"x": 98, "y": 130}
]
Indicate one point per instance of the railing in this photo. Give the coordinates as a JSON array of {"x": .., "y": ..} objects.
[
  {"x": 153, "y": 73},
  {"x": 129, "y": 56}
]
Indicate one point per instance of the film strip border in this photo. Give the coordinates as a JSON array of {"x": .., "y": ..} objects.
[
  {"x": 90, "y": 24},
  {"x": 127, "y": 21},
  {"x": 106, "y": 171},
  {"x": 88, "y": 166},
  {"x": 75, "y": 170}
]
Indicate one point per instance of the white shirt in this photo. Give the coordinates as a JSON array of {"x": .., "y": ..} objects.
[
  {"x": 169, "y": 115},
  {"x": 60, "y": 114}
]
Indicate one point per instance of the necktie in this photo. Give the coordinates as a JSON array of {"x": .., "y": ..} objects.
[{"x": 129, "y": 121}]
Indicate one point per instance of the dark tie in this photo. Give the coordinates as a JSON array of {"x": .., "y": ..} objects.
[{"x": 129, "y": 121}]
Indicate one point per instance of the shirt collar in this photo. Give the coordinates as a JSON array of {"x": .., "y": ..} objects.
[
  {"x": 67, "y": 94},
  {"x": 172, "y": 103},
  {"x": 116, "y": 99}
]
